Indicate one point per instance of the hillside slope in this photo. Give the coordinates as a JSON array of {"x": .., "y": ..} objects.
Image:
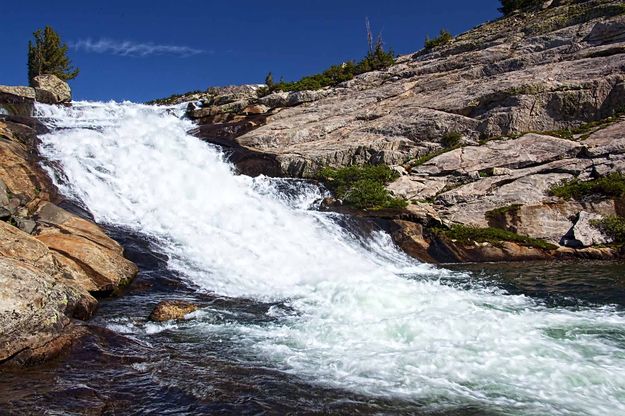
[{"x": 488, "y": 122}]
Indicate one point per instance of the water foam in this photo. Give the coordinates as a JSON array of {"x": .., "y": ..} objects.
[{"x": 353, "y": 313}]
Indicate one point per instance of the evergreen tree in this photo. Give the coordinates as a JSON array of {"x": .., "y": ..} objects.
[
  {"x": 48, "y": 55},
  {"x": 269, "y": 80}
]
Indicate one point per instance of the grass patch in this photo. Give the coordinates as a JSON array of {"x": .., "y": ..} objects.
[
  {"x": 613, "y": 227},
  {"x": 443, "y": 38},
  {"x": 611, "y": 185},
  {"x": 494, "y": 236},
  {"x": 362, "y": 187}
]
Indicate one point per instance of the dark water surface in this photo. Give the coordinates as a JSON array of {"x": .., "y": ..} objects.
[{"x": 178, "y": 371}]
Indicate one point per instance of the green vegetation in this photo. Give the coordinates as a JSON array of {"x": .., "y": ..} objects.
[
  {"x": 362, "y": 186},
  {"x": 500, "y": 212},
  {"x": 509, "y": 6},
  {"x": 612, "y": 185},
  {"x": 48, "y": 55},
  {"x": 451, "y": 140},
  {"x": 172, "y": 99},
  {"x": 612, "y": 226},
  {"x": 443, "y": 38},
  {"x": 495, "y": 236},
  {"x": 377, "y": 58}
]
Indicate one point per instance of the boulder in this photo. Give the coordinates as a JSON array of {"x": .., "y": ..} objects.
[
  {"x": 25, "y": 224},
  {"x": 586, "y": 233},
  {"x": 275, "y": 99},
  {"x": 51, "y": 215},
  {"x": 18, "y": 245},
  {"x": 50, "y": 89},
  {"x": 107, "y": 270},
  {"x": 171, "y": 310},
  {"x": 17, "y": 101},
  {"x": 35, "y": 312}
]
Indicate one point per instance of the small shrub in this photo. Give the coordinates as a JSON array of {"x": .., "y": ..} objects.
[
  {"x": 611, "y": 185},
  {"x": 443, "y": 38},
  {"x": 451, "y": 140},
  {"x": 499, "y": 212},
  {"x": 495, "y": 236},
  {"x": 612, "y": 226},
  {"x": 362, "y": 186},
  {"x": 375, "y": 60}
]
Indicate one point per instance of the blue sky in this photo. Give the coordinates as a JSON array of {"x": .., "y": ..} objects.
[{"x": 139, "y": 50}]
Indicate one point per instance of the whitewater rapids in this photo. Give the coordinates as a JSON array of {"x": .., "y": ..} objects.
[{"x": 350, "y": 313}]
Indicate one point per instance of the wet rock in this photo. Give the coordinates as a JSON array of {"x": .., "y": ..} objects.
[
  {"x": 409, "y": 237},
  {"x": 171, "y": 310},
  {"x": 50, "y": 89}
]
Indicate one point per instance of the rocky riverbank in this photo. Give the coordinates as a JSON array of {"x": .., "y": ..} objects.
[
  {"x": 481, "y": 130},
  {"x": 53, "y": 264}
]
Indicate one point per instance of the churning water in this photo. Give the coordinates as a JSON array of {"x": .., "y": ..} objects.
[{"x": 348, "y": 312}]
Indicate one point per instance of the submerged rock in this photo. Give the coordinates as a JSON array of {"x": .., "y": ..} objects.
[{"x": 169, "y": 310}]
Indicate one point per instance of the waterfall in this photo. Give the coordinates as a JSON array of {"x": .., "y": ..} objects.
[{"x": 348, "y": 312}]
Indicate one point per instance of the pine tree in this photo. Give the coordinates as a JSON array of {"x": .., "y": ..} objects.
[{"x": 48, "y": 55}]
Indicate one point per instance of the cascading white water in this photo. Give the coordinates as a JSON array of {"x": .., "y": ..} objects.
[{"x": 357, "y": 316}]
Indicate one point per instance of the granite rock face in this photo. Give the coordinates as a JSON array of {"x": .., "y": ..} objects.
[
  {"x": 534, "y": 99},
  {"x": 540, "y": 71},
  {"x": 52, "y": 262}
]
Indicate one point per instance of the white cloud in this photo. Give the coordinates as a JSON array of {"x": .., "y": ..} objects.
[{"x": 129, "y": 48}]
